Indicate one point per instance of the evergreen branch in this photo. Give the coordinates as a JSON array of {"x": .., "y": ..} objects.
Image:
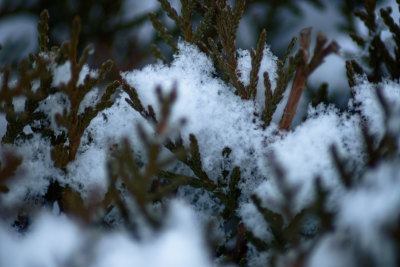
[
  {"x": 163, "y": 32},
  {"x": 284, "y": 76},
  {"x": 157, "y": 53},
  {"x": 368, "y": 17},
  {"x": 235, "y": 178},
  {"x": 43, "y": 29},
  {"x": 289, "y": 50},
  {"x": 320, "y": 52},
  {"x": 275, "y": 221},
  {"x": 105, "y": 100},
  {"x": 358, "y": 39},
  {"x": 188, "y": 180},
  {"x": 165, "y": 108},
  {"x": 170, "y": 11},
  {"x": 237, "y": 14},
  {"x": 70, "y": 119},
  {"x": 185, "y": 23},
  {"x": 133, "y": 100},
  {"x": 260, "y": 244},
  {"x": 393, "y": 27},
  {"x": 268, "y": 111},
  {"x": 85, "y": 55},
  {"x": 17, "y": 120},
  {"x": 75, "y": 32},
  {"x": 380, "y": 54},
  {"x": 256, "y": 57},
  {"x": 195, "y": 160},
  {"x": 352, "y": 68},
  {"x": 204, "y": 24}
]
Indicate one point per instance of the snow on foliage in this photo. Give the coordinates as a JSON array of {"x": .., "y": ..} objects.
[
  {"x": 213, "y": 113},
  {"x": 34, "y": 174},
  {"x": 270, "y": 161},
  {"x": 367, "y": 103},
  {"x": 219, "y": 119},
  {"x": 268, "y": 64}
]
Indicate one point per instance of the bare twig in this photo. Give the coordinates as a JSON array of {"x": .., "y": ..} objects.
[
  {"x": 304, "y": 69},
  {"x": 299, "y": 83}
]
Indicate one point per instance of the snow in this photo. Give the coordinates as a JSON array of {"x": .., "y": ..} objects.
[
  {"x": 207, "y": 104},
  {"x": 218, "y": 118},
  {"x": 372, "y": 209},
  {"x": 62, "y": 73},
  {"x": 180, "y": 244},
  {"x": 90, "y": 100},
  {"x": 365, "y": 218},
  {"x": 51, "y": 242},
  {"x": 88, "y": 172},
  {"x": 3, "y": 125},
  {"x": 365, "y": 214},
  {"x": 19, "y": 104},
  {"x": 86, "y": 71},
  {"x": 253, "y": 220},
  {"x": 268, "y": 64},
  {"x": 55, "y": 240},
  {"x": 34, "y": 174},
  {"x": 51, "y": 106},
  {"x": 368, "y": 104},
  {"x": 305, "y": 153},
  {"x": 332, "y": 252}
]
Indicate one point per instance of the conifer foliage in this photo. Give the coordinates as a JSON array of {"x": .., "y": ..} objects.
[{"x": 194, "y": 160}]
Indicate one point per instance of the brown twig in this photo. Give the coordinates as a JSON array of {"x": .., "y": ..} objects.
[
  {"x": 299, "y": 83},
  {"x": 304, "y": 69}
]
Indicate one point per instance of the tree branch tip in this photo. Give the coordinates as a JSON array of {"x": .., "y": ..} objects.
[
  {"x": 321, "y": 37},
  {"x": 305, "y": 35},
  {"x": 306, "y": 32},
  {"x": 334, "y": 47}
]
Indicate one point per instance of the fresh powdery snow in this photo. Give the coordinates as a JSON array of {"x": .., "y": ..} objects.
[
  {"x": 218, "y": 118},
  {"x": 55, "y": 240},
  {"x": 214, "y": 114}
]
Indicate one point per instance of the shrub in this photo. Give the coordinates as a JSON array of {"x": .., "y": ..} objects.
[{"x": 195, "y": 160}]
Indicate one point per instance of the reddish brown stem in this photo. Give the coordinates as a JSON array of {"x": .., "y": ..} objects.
[{"x": 299, "y": 83}]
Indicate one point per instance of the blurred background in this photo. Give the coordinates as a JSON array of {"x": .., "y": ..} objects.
[{"x": 120, "y": 30}]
